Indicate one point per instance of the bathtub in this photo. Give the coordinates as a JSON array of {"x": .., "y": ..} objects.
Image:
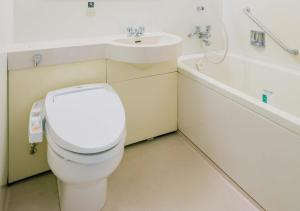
[{"x": 245, "y": 115}]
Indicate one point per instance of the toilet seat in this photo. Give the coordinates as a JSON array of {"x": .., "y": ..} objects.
[
  {"x": 84, "y": 123},
  {"x": 94, "y": 158},
  {"x": 86, "y": 158}
]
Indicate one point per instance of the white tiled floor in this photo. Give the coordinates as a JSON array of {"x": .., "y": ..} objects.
[{"x": 165, "y": 174}]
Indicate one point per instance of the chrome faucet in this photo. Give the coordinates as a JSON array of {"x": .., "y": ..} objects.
[
  {"x": 202, "y": 35},
  {"x": 135, "y": 32}
]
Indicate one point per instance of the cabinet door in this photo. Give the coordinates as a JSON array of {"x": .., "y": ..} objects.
[
  {"x": 150, "y": 104},
  {"x": 28, "y": 86}
]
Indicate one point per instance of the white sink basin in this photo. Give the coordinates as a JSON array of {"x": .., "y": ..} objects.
[
  {"x": 145, "y": 40},
  {"x": 151, "y": 48}
]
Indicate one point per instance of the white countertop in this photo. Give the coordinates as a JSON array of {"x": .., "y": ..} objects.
[{"x": 20, "y": 55}]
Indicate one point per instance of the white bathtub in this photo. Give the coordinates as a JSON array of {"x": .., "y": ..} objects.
[{"x": 257, "y": 144}]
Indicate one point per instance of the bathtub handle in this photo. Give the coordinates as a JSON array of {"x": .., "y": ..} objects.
[{"x": 247, "y": 11}]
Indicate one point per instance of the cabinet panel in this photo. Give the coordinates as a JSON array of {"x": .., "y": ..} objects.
[
  {"x": 120, "y": 71},
  {"x": 150, "y": 104},
  {"x": 28, "y": 86}
]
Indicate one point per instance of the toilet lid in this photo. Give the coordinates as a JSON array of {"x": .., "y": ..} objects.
[{"x": 85, "y": 119}]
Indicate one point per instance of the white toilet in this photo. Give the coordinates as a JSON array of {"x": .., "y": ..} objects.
[{"x": 85, "y": 129}]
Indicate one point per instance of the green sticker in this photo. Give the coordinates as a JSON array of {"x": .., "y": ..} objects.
[{"x": 265, "y": 98}]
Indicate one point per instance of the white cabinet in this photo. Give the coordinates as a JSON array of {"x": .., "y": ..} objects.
[
  {"x": 149, "y": 95},
  {"x": 29, "y": 85}
]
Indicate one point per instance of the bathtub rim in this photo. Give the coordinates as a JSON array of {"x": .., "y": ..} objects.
[{"x": 275, "y": 115}]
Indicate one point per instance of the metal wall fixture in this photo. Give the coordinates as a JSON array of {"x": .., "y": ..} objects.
[
  {"x": 258, "y": 39},
  {"x": 203, "y": 35},
  {"x": 37, "y": 58},
  {"x": 247, "y": 11},
  {"x": 200, "y": 8}
]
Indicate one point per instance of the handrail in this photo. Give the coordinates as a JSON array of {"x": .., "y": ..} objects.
[{"x": 247, "y": 11}]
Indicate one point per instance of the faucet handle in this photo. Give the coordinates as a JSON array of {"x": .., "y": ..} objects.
[
  {"x": 208, "y": 28},
  {"x": 141, "y": 29},
  {"x": 197, "y": 28},
  {"x": 130, "y": 31}
]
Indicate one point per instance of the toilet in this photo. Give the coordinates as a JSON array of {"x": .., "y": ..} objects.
[{"x": 86, "y": 130}]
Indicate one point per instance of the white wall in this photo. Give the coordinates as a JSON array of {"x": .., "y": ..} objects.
[
  {"x": 281, "y": 17},
  {"x": 6, "y": 36},
  {"x": 40, "y": 20}
]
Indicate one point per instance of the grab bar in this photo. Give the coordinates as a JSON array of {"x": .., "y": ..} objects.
[{"x": 247, "y": 11}]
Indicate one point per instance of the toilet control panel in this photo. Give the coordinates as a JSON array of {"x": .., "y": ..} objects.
[{"x": 36, "y": 123}]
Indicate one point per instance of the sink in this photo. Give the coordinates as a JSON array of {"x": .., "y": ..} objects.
[
  {"x": 150, "y": 48},
  {"x": 145, "y": 40}
]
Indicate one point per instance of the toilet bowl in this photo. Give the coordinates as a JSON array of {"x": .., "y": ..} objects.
[{"x": 86, "y": 131}]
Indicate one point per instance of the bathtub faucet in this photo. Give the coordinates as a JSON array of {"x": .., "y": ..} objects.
[{"x": 202, "y": 35}]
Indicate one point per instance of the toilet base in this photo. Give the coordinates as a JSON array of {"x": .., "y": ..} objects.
[{"x": 82, "y": 197}]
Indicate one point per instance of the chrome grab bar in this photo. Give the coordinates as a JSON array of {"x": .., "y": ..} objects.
[{"x": 247, "y": 11}]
